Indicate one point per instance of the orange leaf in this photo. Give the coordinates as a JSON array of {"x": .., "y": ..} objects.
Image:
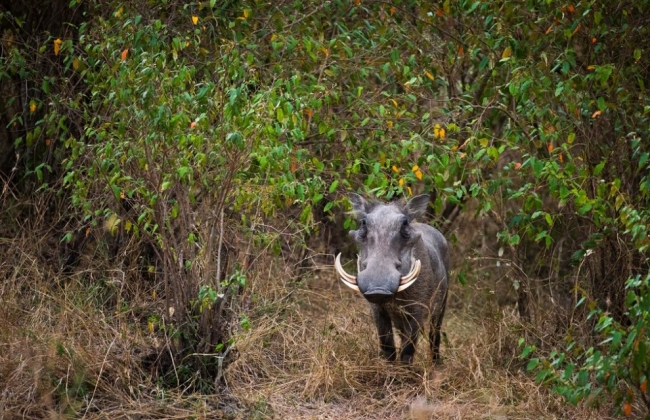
[
  {"x": 517, "y": 166},
  {"x": 393, "y": 10},
  {"x": 439, "y": 12},
  {"x": 597, "y": 113},
  {"x": 594, "y": 40},
  {"x": 576, "y": 29},
  {"x": 548, "y": 31},
  {"x": 193, "y": 124},
  {"x": 87, "y": 231},
  {"x": 644, "y": 386},
  {"x": 57, "y": 46},
  {"x": 591, "y": 68},
  {"x": 32, "y": 106},
  {"x": 48, "y": 142},
  {"x": 460, "y": 50},
  {"x": 571, "y": 9},
  {"x": 561, "y": 158},
  {"x": 309, "y": 112},
  {"x": 550, "y": 147},
  {"x": 627, "y": 408},
  {"x": 125, "y": 53}
]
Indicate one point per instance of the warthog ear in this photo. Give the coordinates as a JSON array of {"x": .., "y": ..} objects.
[
  {"x": 416, "y": 206},
  {"x": 360, "y": 207}
]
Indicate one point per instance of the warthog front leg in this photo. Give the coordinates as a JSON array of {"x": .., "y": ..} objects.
[
  {"x": 385, "y": 330},
  {"x": 408, "y": 331}
]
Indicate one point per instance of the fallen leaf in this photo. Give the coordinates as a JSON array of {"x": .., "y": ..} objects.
[
  {"x": 506, "y": 53},
  {"x": 125, "y": 54},
  {"x": 597, "y": 113},
  {"x": 429, "y": 75}
]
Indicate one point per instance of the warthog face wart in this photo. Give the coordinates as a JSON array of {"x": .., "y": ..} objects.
[{"x": 402, "y": 271}]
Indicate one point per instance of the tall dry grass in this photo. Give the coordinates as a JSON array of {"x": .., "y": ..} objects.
[{"x": 74, "y": 345}]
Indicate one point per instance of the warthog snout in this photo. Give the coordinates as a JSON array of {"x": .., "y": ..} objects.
[{"x": 379, "y": 282}]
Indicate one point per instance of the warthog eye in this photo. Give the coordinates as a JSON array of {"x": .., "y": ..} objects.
[
  {"x": 363, "y": 231},
  {"x": 404, "y": 230}
]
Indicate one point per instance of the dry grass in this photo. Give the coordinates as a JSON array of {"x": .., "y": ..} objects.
[
  {"x": 311, "y": 353},
  {"x": 317, "y": 357}
]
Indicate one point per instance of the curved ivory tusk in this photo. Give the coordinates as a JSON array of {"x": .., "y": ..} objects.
[
  {"x": 406, "y": 281},
  {"x": 347, "y": 279}
]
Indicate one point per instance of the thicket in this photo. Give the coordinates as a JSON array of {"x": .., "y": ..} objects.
[{"x": 180, "y": 140}]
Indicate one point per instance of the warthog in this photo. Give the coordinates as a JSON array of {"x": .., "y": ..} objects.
[{"x": 403, "y": 271}]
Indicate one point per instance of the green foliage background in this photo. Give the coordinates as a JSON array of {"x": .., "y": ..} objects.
[{"x": 159, "y": 122}]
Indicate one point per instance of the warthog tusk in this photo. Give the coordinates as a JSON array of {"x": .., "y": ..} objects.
[
  {"x": 410, "y": 278},
  {"x": 347, "y": 279}
]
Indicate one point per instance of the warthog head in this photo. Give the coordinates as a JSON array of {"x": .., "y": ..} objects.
[{"x": 386, "y": 263}]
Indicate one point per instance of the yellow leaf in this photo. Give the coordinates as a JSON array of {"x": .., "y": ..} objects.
[
  {"x": 127, "y": 226},
  {"x": 401, "y": 182},
  {"x": 483, "y": 142},
  {"x": 395, "y": 169},
  {"x": 150, "y": 326},
  {"x": 75, "y": 63},
  {"x": 446, "y": 7},
  {"x": 506, "y": 53},
  {"x": 32, "y": 106},
  {"x": 111, "y": 224},
  {"x": 418, "y": 174},
  {"x": 247, "y": 13},
  {"x": 57, "y": 46},
  {"x": 409, "y": 190},
  {"x": 195, "y": 20},
  {"x": 389, "y": 124},
  {"x": 429, "y": 75},
  {"x": 415, "y": 168},
  {"x": 394, "y": 102},
  {"x": 122, "y": 195},
  {"x": 438, "y": 132}
]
